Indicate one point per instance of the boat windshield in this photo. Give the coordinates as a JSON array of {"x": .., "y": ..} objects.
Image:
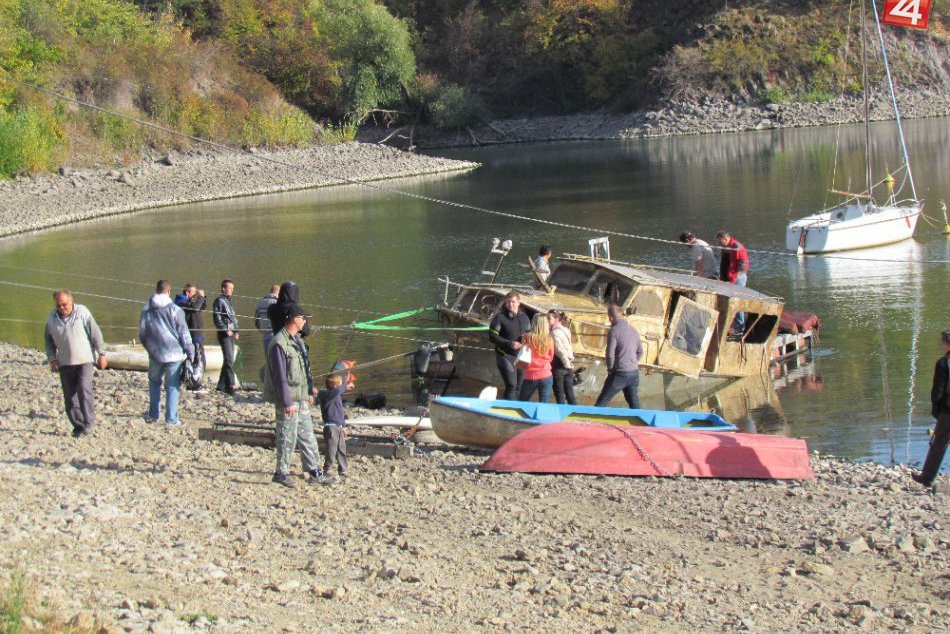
[
  {"x": 571, "y": 276},
  {"x": 610, "y": 288}
]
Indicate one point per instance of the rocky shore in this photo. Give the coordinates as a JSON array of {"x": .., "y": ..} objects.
[
  {"x": 149, "y": 529},
  {"x": 41, "y": 202},
  {"x": 670, "y": 119}
]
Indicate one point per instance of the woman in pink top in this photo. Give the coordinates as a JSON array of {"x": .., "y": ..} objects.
[{"x": 538, "y": 376}]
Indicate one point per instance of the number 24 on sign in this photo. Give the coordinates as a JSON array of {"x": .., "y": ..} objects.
[{"x": 912, "y": 13}]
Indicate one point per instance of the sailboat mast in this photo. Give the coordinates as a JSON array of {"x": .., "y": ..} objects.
[{"x": 867, "y": 107}]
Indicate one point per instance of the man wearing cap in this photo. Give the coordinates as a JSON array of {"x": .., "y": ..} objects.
[
  {"x": 704, "y": 262},
  {"x": 286, "y": 386},
  {"x": 73, "y": 343}
]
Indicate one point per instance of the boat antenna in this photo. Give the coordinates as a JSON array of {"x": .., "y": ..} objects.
[
  {"x": 897, "y": 114},
  {"x": 867, "y": 108}
]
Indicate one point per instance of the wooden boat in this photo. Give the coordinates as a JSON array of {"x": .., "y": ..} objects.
[
  {"x": 648, "y": 451},
  {"x": 490, "y": 423},
  {"x": 860, "y": 222},
  {"x": 133, "y": 356},
  {"x": 683, "y": 321}
]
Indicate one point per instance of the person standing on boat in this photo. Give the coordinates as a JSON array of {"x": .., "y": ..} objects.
[
  {"x": 542, "y": 264},
  {"x": 704, "y": 262},
  {"x": 192, "y": 300},
  {"x": 505, "y": 331},
  {"x": 73, "y": 344},
  {"x": 225, "y": 321},
  {"x": 734, "y": 268},
  {"x": 164, "y": 333},
  {"x": 624, "y": 351},
  {"x": 538, "y": 375},
  {"x": 261, "y": 320},
  {"x": 286, "y": 386},
  {"x": 940, "y": 409},
  {"x": 562, "y": 366}
]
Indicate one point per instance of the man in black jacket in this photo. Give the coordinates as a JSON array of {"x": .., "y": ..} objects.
[
  {"x": 192, "y": 300},
  {"x": 505, "y": 331},
  {"x": 940, "y": 402},
  {"x": 226, "y": 323}
]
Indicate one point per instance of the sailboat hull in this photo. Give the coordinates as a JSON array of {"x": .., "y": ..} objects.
[{"x": 851, "y": 227}]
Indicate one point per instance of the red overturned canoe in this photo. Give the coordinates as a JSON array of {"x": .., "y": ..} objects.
[{"x": 645, "y": 451}]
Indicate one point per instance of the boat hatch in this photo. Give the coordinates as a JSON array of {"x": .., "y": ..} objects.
[{"x": 688, "y": 336}]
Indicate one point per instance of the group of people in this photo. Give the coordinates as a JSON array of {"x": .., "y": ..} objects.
[
  {"x": 172, "y": 334},
  {"x": 537, "y": 355},
  {"x": 733, "y": 265}
]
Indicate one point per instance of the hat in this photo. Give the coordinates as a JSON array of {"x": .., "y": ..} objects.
[{"x": 297, "y": 311}]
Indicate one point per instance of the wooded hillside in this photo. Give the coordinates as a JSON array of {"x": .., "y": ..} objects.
[{"x": 266, "y": 72}]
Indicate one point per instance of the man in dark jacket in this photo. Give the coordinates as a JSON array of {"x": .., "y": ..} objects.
[
  {"x": 226, "y": 323},
  {"x": 624, "y": 351},
  {"x": 940, "y": 409},
  {"x": 505, "y": 331}
]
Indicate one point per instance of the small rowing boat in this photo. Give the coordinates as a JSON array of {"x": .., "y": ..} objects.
[
  {"x": 490, "y": 423},
  {"x": 648, "y": 451}
]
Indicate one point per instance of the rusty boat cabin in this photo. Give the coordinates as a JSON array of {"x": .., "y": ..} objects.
[{"x": 684, "y": 320}]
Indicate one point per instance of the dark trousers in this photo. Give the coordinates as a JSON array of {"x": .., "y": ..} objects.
[
  {"x": 938, "y": 447},
  {"x": 336, "y": 448},
  {"x": 227, "y": 381},
  {"x": 629, "y": 382},
  {"x": 510, "y": 375},
  {"x": 564, "y": 386},
  {"x": 77, "y": 393}
]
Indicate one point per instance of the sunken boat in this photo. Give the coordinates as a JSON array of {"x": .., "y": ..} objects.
[{"x": 683, "y": 320}]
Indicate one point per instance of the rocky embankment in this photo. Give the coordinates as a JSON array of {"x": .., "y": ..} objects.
[
  {"x": 151, "y": 529},
  {"x": 671, "y": 119},
  {"x": 29, "y": 204}
]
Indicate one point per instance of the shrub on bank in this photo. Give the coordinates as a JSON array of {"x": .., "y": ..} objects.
[{"x": 109, "y": 53}]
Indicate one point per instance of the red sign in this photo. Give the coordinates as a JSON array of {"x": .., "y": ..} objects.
[{"x": 912, "y": 13}]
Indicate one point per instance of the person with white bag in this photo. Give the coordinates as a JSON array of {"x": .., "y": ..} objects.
[{"x": 537, "y": 374}]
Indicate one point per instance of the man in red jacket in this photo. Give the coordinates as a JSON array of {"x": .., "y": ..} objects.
[{"x": 733, "y": 267}]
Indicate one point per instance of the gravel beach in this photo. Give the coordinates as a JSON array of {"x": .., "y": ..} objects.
[{"x": 149, "y": 529}]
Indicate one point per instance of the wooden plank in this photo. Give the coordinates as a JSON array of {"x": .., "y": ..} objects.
[{"x": 355, "y": 446}]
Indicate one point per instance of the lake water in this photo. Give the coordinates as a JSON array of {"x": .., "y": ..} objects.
[{"x": 358, "y": 254}]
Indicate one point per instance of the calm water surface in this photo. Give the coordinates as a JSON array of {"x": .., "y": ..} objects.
[{"x": 359, "y": 254}]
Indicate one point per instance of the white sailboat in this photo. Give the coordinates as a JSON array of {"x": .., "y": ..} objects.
[{"x": 860, "y": 221}]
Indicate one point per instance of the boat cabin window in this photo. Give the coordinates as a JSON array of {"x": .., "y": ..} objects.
[
  {"x": 759, "y": 327},
  {"x": 647, "y": 302},
  {"x": 690, "y": 330},
  {"x": 571, "y": 276},
  {"x": 610, "y": 288}
]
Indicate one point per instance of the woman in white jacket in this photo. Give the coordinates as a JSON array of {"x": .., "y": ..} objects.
[{"x": 563, "y": 364}]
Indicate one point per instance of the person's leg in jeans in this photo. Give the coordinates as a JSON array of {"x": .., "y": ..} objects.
[
  {"x": 610, "y": 389},
  {"x": 569, "y": 387},
  {"x": 506, "y": 367},
  {"x": 631, "y": 390},
  {"x": 227, "y": 381},
  {"x": 544, "y": 389},
  {"x": 738, "y": 324},
  {"x": 557, "y": 379},
  {"x": 527, "y": 388},
  {"x": 154, "y": 389},
  {"x": 172, "y": 390}
]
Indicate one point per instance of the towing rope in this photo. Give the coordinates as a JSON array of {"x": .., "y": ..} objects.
[{"x": 377, "y": 324}]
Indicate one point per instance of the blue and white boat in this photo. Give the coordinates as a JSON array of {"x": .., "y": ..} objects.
[{"x": 475, "y": 422}]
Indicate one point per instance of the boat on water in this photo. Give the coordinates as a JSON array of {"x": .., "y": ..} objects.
[
  {"x": 594, "y": 449},
  {"x": 488, "y": 424},
  {"x": 861, "y": 222},
  {"x": 134, "y": 356},
  {"x": 683, "y": 320}
]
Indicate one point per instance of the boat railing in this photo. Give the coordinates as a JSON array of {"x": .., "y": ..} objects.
[
  {"x": 637, "y": 265},
  {"x": 478, "y": 286}
]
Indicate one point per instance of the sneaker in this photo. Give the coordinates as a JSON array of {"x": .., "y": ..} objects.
[
  {"x": 919, "y": 478},
  {"x": 283, "y": 480},
  {"x": 175, "y": 423},
  {"x": 344, "y": 474},
  {"x": 77, "y": 432},
  {"x": 317, "y": 477},
  {"x": 149, "y": 419}
]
